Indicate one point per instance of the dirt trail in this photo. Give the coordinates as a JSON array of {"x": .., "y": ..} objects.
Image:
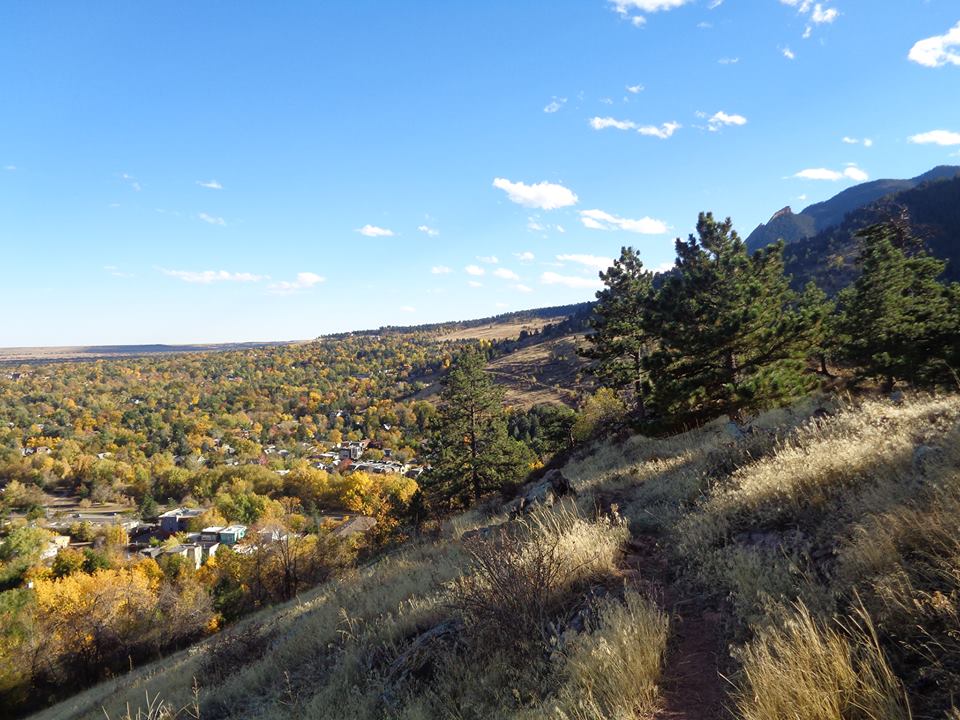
[{"x": 692, "y": 686}]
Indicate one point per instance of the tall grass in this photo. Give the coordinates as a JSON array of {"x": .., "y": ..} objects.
[{"x": 807, "y": 670}]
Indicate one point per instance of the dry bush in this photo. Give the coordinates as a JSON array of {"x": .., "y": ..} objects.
[
  {"x": 612, "y": 669},
  {"x": 809, "y": 671},
  {"x": 522, "y": 579}
]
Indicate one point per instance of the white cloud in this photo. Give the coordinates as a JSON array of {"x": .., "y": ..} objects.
[
  {"x": 728, "y": 60},
  {"x": 851, "y": 141},
  {"x": 534, "y": 226},
  {"x": 638, "y": 21},
  {"x": 211, "y": 276},
  {"x": 407, "y": 309},
  {"x": 663, "y": 131},
  {"x": 600, "y": 220},
  {"x": 474, "y": 284},
  {"x": 522, "y": 288},
  {"x": 441, "y": 270},
  {"x": 304, "y": 281},
  {"x": 488, "y": 259},
  {"x": 789, "y": 54},
  {"x": 599, "y": 123},
  {"x": 856, "y": 174},
  {"x": 818, "y": 13},
  {"x": 505, "y": 274},
  {"x": 432, "y": 232},
  {"x": 626, "y": 6},
  {"x": 570, "y": 281},
  {"x": 866, "y": 142},
  {"x": 851, "y": 172},
  {"x": 374, "y": 231},
  {"x": 823, "y": 15},
  {"x": 117, "y": 272},
  {"x": 591, "y": 261},
  {"x": 475, "y": 270},
  {"x": 555, "y": 105},
  {"x": 525, "y": 256},
  {"x": 938, "y": 50},
  {"x": 634, "y": 89},
  {"x": 212, "y": 219},
  {"x": 543, "y": 195},
  {"x": 210, "y": 184},
  {"x": 945, "y": 138},
  {"x": 720, "y": 119}
]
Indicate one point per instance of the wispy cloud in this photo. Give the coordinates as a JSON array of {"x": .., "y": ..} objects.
[
  {"x": 944, "y": 138},
  {"x": 543, "y": 195},
  {"x": 206, "y": 277},
  {"x": 596, "y": 262},
  {"x": 938, "y": 50},
  {"x": 10, "y": 168},
  {"x": 659, "y": 131},
  {"x": 525, "y": 256},
  {"x": 374, "y": 231},
  {"x": 570, "y": 281},
  {"x": 475, "y": 270},
  {"x": 721, "y": 119},
  {"x": 628, "y": 8},
  {"x": 519, "y": 287},
  {"x": 488, "y": 259},
  {"x": 789, "y": 54},
  {"x": 303, "y": 281},
  {"x": 212, "y": 219},
  {"x": 600, "y": 220},
  {"x": 441, "y": 270},
  {"x": 131, "y": 181},
  {"x": 634, "y": 89},
  {"x": 728, "y": 60},
  {"x": 431, "y": 232},
  {"x": 866, "y": 142},
  {"x": 851, "y": 172},
  {"x": 407, "y": 309},
  {"x": 554, "y": 105},
  {"x": 505, "y": 274},
  {"x": 210, "y": 184},
  {"x": 474, "y": 284},
  {"x": 117, "y": 272}
]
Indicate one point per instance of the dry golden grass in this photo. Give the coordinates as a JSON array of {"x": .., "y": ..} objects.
[
  {"x": 612, "y": 669},
  {"x": 807, "y": 671}
]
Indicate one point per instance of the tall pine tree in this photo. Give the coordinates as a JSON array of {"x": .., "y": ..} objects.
[
  {"x": 471, "y": 453},
  {"x": 733, "y": 336},
  {"x": 898, "y": 321},
  {"x": 619, "y": 342}
]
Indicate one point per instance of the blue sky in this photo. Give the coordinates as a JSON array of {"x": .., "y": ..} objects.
[{"x": 189, "y": 171}]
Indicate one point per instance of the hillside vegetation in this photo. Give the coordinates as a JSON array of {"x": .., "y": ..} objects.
[{"x": 822, "y": 540}]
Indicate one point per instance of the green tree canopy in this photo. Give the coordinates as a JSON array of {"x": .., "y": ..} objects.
[
  {"x": 620, "y": 341},
  {"x": 733, "y": 336},
  {"x": 471, "y": 452}
]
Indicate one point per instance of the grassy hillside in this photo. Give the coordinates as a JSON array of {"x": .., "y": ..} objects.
[{"x": 812, "y": 560}]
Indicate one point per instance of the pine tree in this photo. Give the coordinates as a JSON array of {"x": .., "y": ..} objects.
[
  {"x": 733, "y": 336},
  {"x": 899, "y": 321},
  {"x": 471, "y": 453},
  {"x": 619, "y": 342}
]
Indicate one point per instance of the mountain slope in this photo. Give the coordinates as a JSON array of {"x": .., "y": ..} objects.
[
  {"x": 818, "y": 517},
  {"x": 792, "y": 227},
  {"x": 829, "y": 258}
]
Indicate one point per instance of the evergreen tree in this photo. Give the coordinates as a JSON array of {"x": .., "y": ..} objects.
[
  {"x": 733, "y": 336},
  {"x": 471, "y": 453},
  {"x": 899, "y": 322},
  {"x": 619, "y": 342}
]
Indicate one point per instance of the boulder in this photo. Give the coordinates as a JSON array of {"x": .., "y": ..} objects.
[{"x": 545, "y": 491}]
